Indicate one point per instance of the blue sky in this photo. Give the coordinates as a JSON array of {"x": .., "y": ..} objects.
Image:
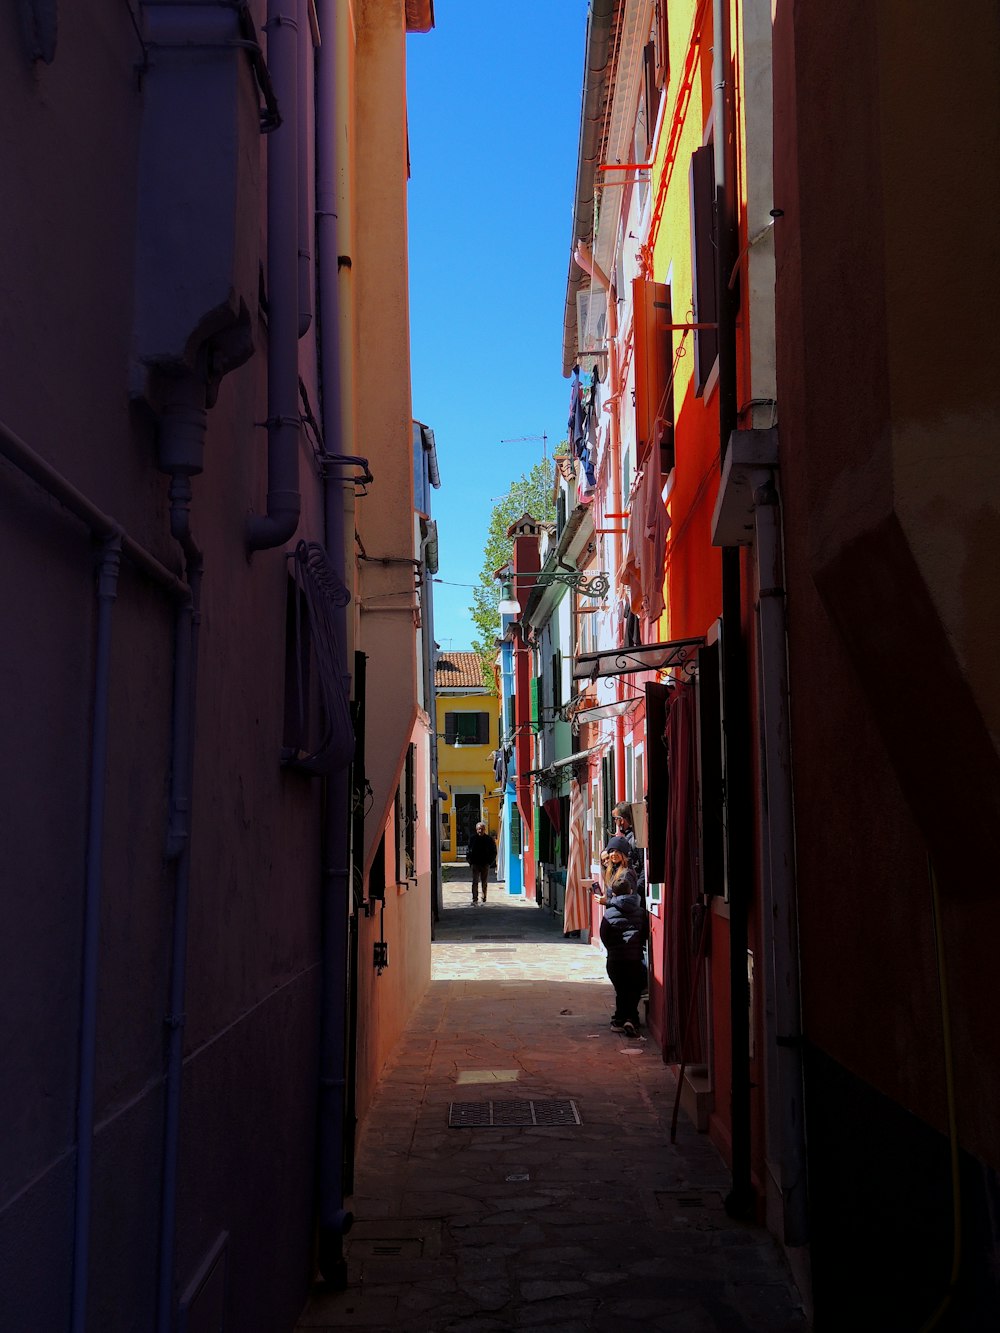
[{"x": 494, "y": 119}]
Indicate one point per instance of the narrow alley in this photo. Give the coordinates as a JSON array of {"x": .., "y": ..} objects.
[{"x": 601, "y": 1224}]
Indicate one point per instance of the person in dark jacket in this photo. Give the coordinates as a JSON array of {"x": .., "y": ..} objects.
[
  {"x": 622, "y": 815},
  {"x": 624, "y": 928},
  {"x": 481, "y": 855}
]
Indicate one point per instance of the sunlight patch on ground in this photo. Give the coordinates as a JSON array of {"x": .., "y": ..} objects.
[{"x": 487, "y": 1076}]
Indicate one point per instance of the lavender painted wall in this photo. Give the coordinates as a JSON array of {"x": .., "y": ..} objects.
[{"x": 74, "y": 158}]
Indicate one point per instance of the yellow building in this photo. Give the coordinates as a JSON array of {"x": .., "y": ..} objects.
[{"x": 468, "y": 721}]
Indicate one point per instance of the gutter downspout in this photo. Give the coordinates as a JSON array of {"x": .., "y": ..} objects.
[
  {"x": 741, "y": 1200},
  {"x": 334, "y": 1220},
  {"x": 304, "y": 51},
  {"x": 780, "y": 915},
  {"x": 585, "y": 258},
  {"x": 116, "y": 544},
  {"x": 107, "y": 592},
  {"x": 180, "y": 447},
  {"x": 283, "y": 413}
]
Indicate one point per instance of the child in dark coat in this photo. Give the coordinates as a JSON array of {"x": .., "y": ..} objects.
[{"x": 624, "y": 929}]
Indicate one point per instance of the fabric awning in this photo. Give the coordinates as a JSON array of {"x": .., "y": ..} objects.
[
  {"x": 576, "y": 915},
  {"x": 601, "y": 711},
  {"x": 678, "y": 654},
  {"x": 561, "y": 763}
]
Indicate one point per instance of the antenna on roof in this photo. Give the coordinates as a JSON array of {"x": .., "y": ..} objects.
[{"x": 523, "y": 439}]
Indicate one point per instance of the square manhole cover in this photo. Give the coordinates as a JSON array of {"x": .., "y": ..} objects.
[{"x": 518, "y": 1114}]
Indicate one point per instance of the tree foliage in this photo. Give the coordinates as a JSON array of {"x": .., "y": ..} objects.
[{"x": 530, "y": 494}]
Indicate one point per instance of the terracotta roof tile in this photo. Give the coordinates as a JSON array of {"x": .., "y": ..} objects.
[{"x": 455, "y": 670}]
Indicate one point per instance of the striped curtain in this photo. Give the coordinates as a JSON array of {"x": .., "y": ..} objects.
[{"x": 577, "y": 914}]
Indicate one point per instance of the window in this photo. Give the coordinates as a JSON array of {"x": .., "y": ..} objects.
[
  {"x": 467, "y": 728},
  {"x": 706, "y": 341},
  {"x": 557, "y": 699},
  {"x": 468, "y": 813},
  {"x": 515, "y": 831},
  {"x": 406, "y": 819}
]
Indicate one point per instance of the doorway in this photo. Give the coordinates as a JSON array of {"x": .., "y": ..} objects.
[{"x": 468, "y": 813}]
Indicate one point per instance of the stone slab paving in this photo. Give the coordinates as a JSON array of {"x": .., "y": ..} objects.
[{"x": 603, "y": 1225}]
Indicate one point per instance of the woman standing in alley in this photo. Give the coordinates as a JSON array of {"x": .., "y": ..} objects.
[{"x": 624, "y": 928}]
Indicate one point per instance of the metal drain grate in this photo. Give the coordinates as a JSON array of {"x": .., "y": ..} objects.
[
  {"x": 512, "y": 1114},
  {"x": 495, "y": 949}
]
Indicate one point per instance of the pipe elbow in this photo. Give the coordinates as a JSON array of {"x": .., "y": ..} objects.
[
  {"x": 585, "y": 258},
  {"x": 278, "y": 525}
]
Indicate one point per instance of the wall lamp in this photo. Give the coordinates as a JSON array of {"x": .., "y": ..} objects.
[{"x": 597, "y": 585}]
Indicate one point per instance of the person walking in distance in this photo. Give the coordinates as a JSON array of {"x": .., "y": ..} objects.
[
  {"x": 482, "y": 854},
  {"x": 624, "y": 928}
]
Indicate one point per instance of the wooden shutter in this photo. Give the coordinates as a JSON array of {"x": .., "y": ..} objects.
[
  {"x": 662, "y": 43},
  {"x": 450, "y": 728},
  {"x": 657, "y": 781},
  {"x": 711, "y": 827},
  {"x": 653, "y": 354},
  {"x": 706, "y": 341},
  {"x": 651, "y": 90},
  {"x": 483, "y": 728}
]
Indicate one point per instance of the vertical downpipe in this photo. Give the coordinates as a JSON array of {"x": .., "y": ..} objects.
[
  {"x": 179, "y": 850},
  {"x": 107, "y": 593},
  {"x": 334, "y": 1219},
  {"x": 739, "y": 850},
  {"x": 305, "y": 49},
  {"x": 284, "y": 421},
  {"x": 180, "y": 442},
  {"x": 781, "y": 925}
]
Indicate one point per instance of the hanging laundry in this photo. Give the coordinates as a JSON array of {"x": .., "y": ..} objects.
[
  {"x": 553, "y": 809},
  {"x": 630, "y": 574},
  {"x": 582, "y": 426}
]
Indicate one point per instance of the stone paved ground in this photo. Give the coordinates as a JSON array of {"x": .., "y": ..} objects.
[{"x": 602, "y": 1225}]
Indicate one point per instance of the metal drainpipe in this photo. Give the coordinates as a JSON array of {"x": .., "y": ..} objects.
[
  {"x": 107, "y": 592},
  {"x": 178, "y": 848},
  {"x": 334, "y": 1219},
  {"x": 13, "y": 448},
  {"x": 739, "y": 842},
  {"x": 283, "y": 413},
  {"x": 780, "y": 916},
  {"x": 304, "y": 49}
]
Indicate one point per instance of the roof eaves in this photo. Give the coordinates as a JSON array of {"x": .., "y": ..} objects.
[
  {"x": 419, "y": 15},
  {"x": 597, "y": 85}
]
